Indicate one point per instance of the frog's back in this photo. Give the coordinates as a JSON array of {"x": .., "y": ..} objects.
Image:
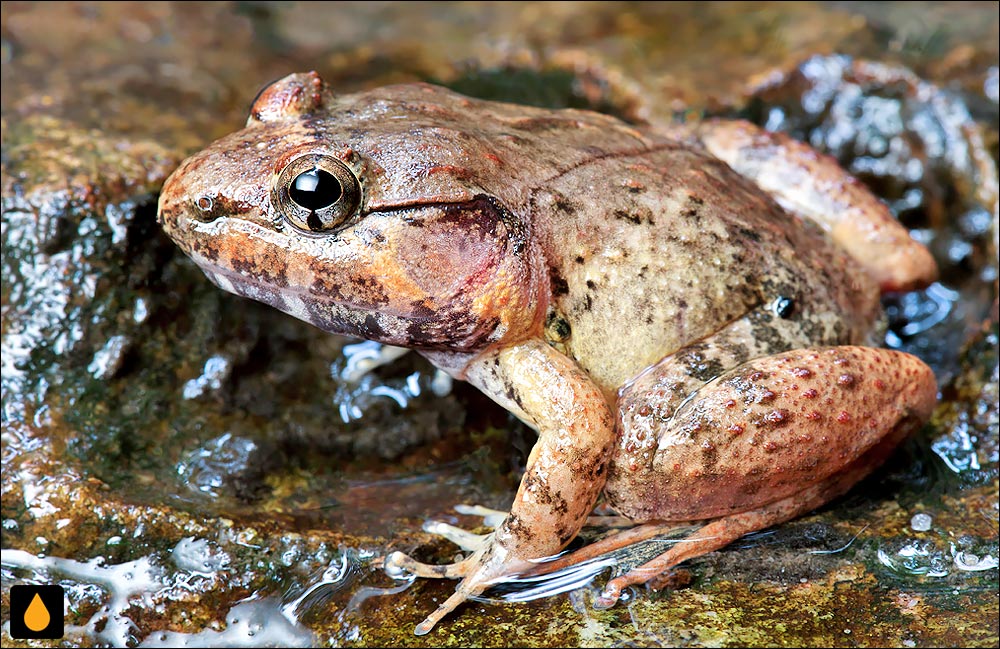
[
  {"x": 650, "y": 252},
  {"x": 427, "y": 144}
]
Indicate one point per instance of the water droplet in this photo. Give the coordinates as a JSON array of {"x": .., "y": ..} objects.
[{"x": 921, "y": 522}]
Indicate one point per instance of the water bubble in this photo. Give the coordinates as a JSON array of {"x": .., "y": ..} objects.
[{"x": 921, "y": 522}]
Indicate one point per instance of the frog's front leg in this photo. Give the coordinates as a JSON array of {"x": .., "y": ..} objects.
[{"x": 565, "y": 473}]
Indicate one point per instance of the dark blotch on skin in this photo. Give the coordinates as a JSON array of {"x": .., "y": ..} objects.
[
  {"x": 453, "y": 329},
  {"x": 543, "y": 493},
  {"x": 696, "y": 365},
  {"x": 372, "y": 327},
  {"x": 511, "y": 393},
  {"x": 421, "y": 310},
  {"x": 764, "y": 331},
  {"x": 709, "y": 457},
  {"x": 250, "y": 268},
  {"x": 560, "y": 286},
  {"x": 557, "y": 327},
  {"x": 624, "y": 215},
  {"x": 692, "y": 207},
  {"x": 565, "y": 205},
  {"x": 205, "y": 249},
  {"x": 748, "y": 234},
  {"x": 516, "y": 528}
]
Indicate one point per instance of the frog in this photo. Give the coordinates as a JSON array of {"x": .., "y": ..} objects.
[{"x": 689, "y": 314}]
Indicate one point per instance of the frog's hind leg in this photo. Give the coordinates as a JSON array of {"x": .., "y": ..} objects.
[
  {"x": 721, "y": 532},
  {"x": 759, "y": 444},
  {"x": 814, "y": 187}
]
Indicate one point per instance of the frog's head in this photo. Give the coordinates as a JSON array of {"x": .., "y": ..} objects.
[{"x": 368, "y": 215}]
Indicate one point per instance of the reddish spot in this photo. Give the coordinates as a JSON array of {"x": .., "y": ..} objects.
[
  {"x": 729, "y": 403},
  {"x": 795, "y": 386},
  {"x": 840, "y": 361},
  {"x": 774, "y": 418},
  {"x": 640, "y": 435},
  {"x": 802, "y": 372},
  {"x": 872, "y": 423},
  {"x": 645, "y": 410},
  {"x": 756, "y": 376},
  {"x": 494, "y": 157},
  {"x": 736, "y": 429},
  {"x": 843, "y": 417},
  {"x": 845, "y": 380},
  {"x": 810, "y": 394},
  {"x": 771, "y": 446},
  {"x": 633, "y": 467},
  {"x": 879, "y": 384},
  {"x": 813, "y": 415},
  {"x": 765, "y": 397},
  {"x": 630, "y": 447},
  {"x": 804, "y": 437}
]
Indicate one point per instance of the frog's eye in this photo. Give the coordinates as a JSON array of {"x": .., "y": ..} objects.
[{"x": 316, "y": 192}]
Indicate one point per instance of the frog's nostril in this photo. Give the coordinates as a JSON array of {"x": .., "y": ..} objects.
[{"x": 205, "y": 209}]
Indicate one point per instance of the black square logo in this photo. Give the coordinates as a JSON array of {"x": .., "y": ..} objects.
[{"x": 36, "y": 612}]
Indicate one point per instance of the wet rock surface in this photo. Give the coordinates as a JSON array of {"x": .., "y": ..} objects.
[{"x": 192, "y": 466}]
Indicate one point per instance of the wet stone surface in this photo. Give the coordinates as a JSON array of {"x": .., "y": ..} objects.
[{"x": 193, "y": 467}]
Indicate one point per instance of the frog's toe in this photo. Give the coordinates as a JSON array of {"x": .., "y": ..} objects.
[
  {"x": 464, "y": 539},
  {"x": 491, "y": 517},
  {"x": 398, "y": 565},
  {"x": 609, "y": 596},
  {"x": 468, "y": 541}
]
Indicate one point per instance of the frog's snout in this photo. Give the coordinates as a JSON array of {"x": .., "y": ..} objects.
[
  {"x": 180, "y": 204},
  {"x": 167, "y": 207}
]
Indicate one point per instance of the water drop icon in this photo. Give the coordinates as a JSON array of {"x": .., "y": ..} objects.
[{"x": 37, "y": 616}]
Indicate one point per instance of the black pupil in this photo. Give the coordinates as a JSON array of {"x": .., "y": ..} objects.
[{"x": 315, "y": 189}]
